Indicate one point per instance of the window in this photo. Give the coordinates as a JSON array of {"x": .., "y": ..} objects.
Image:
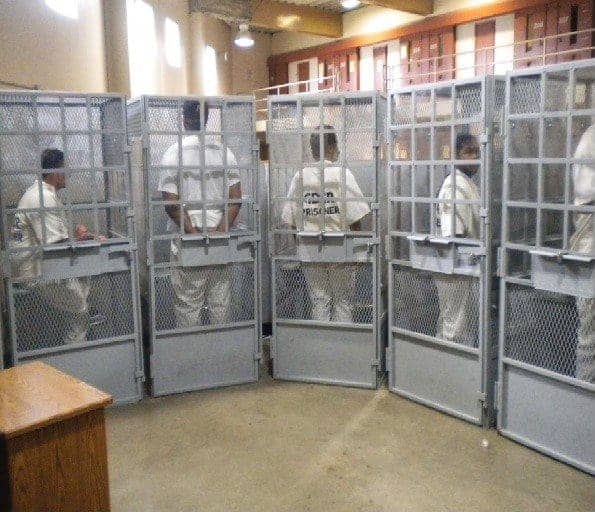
[
  {"x": 573, "y": 23},
  {"x": 142, "y": 45},
  {"x": 66, "y": 8},
  {"x": 173, "y": 47},
  {"x": 210, "y": 76}
]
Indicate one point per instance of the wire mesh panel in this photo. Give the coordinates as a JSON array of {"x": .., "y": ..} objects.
[
  {"x": 547, "y": 340},
  {"x": 201, "y": 181},
  {"x": 324, "y": 229},
  {"x": 69, "y": 258},
  {"x": 444, "y": 175}
]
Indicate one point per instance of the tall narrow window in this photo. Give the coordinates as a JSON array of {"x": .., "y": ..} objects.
[
  {"x": 66, "y": 8},
  {"x": 173, "y": 46},
  {"x": 573, "y": 23},
  {"x": 210, "y": 77},
  {"x": 142, "y": 45}
]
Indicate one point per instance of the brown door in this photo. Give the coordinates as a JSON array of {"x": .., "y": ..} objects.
[
  {"x": 485, "y": 37},
  {"x": 529, "y": 29},
  {"x": 416, "y": 68},
  {"x": 441, "y": 54},
  {"x": 303, "y": 74},
  {"x": 380, "y": 56},
  {"x": 330, "y": 70},
  {"x": 572, "y": 18}
]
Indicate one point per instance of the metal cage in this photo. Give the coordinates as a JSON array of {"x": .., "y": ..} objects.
[
  {"x": 444, "y": 175},
  {"x": 547, "y": 325},
  {"x": 325, "y": 236},
  {"x": 72, "y": 295},
  {"x": 202, "y": 282}
]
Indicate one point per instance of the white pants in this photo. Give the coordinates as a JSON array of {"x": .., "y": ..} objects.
[
  {"x": 585, "y": 350},
  {"x": 332, "y": 290},
  {"x": 198, "y": 289},
  {"x": 69, "y": 296},
  {"x": 458, "y": 309}
]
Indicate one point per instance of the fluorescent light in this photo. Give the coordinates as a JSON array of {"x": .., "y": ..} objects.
[
  {"x": 244, "y": 38},
  {"x": 350, "y": 4}
]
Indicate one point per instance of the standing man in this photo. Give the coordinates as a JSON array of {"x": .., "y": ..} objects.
[
  {"x": 68, "y": 296},
  {"x": 330, "y": 284},
  {"x": 458, "y": 304},
  {"x": 203, "y": 287},
  {"x": 582, "y": 241}
]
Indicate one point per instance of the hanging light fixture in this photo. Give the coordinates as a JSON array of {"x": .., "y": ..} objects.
[
  {"x": 244, "y": 38},
  {"x": 350, "y": 4}
]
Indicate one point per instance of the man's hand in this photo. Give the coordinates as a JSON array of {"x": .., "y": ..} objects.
[{"x": 81, "y": 233}]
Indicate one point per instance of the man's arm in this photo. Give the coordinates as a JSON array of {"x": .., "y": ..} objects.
[
  {"x": 235, "y": 192},
  {"x": 175, "y": 213}
]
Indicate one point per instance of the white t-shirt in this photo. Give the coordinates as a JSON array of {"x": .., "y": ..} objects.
[
  {"x": 191, "y": 178},
  {"x": 466, "y": 215},
  {"x": 584, "y": 193},
  {"x": 28, "y": 232},
  {"x": 311, "y": 207}
]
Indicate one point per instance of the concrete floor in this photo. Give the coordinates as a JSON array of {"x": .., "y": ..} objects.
[{"x": 279, "y": 446}]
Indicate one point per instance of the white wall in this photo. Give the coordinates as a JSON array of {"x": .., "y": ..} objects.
[
  {"x": 503, "y": 56},
  {"x": 366, "y": 68},
  {"x": 464, "y": 48},
  {"x": 41, "y": 47}
]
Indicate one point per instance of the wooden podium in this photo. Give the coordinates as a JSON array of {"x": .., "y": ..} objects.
[{"x": 53, "y": 455}]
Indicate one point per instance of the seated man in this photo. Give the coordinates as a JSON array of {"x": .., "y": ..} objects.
[
  {"x": 330, "y": 284},
  {"x": 67, "y": 295},
  {"x": 458, "y": 308}
]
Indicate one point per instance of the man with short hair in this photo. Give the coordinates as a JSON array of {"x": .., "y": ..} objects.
[
  {"x": 203, "y": 287},
  {"x": 34, "y": 228},
  {"x": 582, "y": 242},
  {"x": 330, "y": 284},
  {"x": 456, "y": 298}
]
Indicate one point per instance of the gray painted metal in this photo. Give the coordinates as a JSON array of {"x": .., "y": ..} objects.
[
  {"x": 327, "y": 285},
  {"x": 546, "y": 396},
  {"x": 202, "y": 290},
  {"x": 73, "y": 304},
  {"x": 442, "y": 298}
]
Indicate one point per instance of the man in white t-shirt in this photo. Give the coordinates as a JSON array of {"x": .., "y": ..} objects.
[
  {"x": 331, "y": 285},
  {"x": 68, "y": 295},
  {"x": 458, "y": 303},
  {"x": 204, "y": 287},
  {"x": 582, "y": 242}
]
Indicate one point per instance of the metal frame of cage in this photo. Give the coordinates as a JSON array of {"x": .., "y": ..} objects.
[
  {"x": 112, "y": 361},
  {"x": 310, "y": 350},
  {"x": 454, "y": 377},
  {"x": 205, "y": 355},
  {"x": 540, "y": 402}
]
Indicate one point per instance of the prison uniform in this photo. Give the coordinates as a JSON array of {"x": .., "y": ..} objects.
[
  {"x": 331, "y": 285},
  {"x": 203, "y": 287},
  {"x": 67, "y": 295},
  {"x": 456, "y": 298}
]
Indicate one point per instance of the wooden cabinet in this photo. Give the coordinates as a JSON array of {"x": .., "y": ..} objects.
[{"x": 53, "y": 455}]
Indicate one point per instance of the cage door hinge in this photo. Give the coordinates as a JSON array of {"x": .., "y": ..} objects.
[
  {"x": 482, "y": 397},
  {"x": 139, "y": 375},
  {"x": 255, "y": 207},
  {"x": 375, "y": 363},
  {"x": 375, "y": 206},
  {"x": 258, "y": 355},
  {"x": 389, "y": 358}
]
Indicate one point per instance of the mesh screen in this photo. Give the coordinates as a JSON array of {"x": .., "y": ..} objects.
[
  {"x": 541, "y": 328},
  {"x": 196, "y": 296},
  {"x": 54, "y": 313},
  {"x": 438, "y": 305},
  {"x": 525, "y": 94},
  {"x": 324, "y": 292}
]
